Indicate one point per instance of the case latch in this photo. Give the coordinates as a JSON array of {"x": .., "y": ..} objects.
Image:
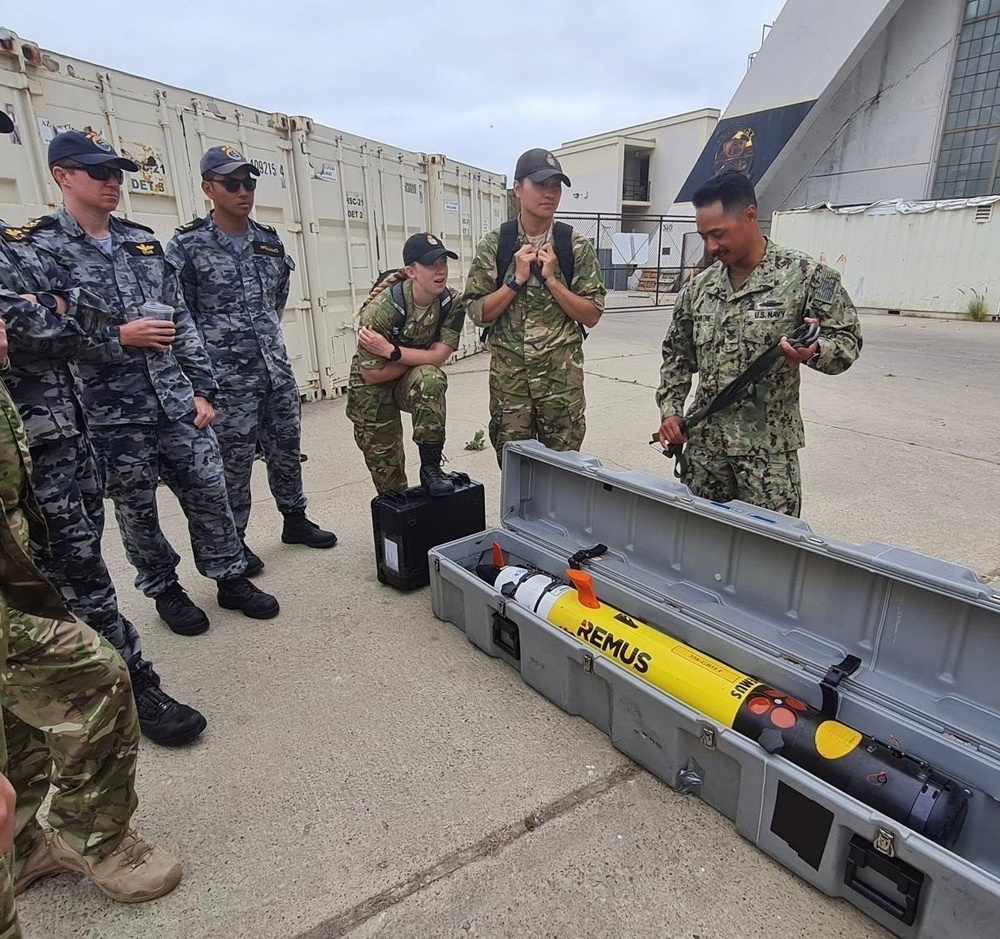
[
  {"x": 874, "y": 857},
  {"x": 837, "y": 673},
  {"x": 708, "y": 737},
  {"x": 885, "y": 843}
]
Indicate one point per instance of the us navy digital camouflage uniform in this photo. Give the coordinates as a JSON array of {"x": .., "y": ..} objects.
[
  {"x": 64, "y": 469},
  {"x": 375, "y": 408},
  {"x": 749, "y": 451},
  {"x": 140, "y": 404},
  {"x": 536, "y": 367},
  {"x": 237, "y": 303},
  {"x": 69, "y": 715}
]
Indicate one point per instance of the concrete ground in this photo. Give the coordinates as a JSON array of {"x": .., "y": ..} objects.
[{"x": 367, "y": 772}]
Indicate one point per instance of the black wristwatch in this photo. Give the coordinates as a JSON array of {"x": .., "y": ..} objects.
[
  {"x": 48, "y": 301},
  {"x": 513, "y": 284},
  {"x": 396, "y": 353}
]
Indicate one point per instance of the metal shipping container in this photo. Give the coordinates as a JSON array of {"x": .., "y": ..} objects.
[
  {"x": 908, "y": 257},
  {"x": 343, "y": 204}
]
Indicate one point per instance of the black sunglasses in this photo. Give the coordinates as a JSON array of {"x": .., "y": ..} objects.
[
  {"x": 102, "y": 172},
  {"x": 233, "y": 185}
]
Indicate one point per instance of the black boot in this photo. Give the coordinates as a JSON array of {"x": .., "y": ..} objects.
[
  {"x": 180, "y": 613},
  {"x": 237, "y": 593},
  {"x": 299, "y": 530},
  {"x": 162, "y": 719},
  {"x": 434, "y": 479},
  {"x": 254, "y": 564}
]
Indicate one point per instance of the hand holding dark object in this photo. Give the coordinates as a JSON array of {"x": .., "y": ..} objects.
[
  {"x": 805, "y": 345},
  {"x": 672, "y": 430}
]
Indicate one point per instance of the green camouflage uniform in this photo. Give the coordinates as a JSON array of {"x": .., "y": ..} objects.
[
  {"x": 749, "y": 451},
  {"x": 69, "y": 715},
  {"x": 375, "y": 408},
  {"x": 9, "y": 926},
  {"x": 536, "y": 368}
]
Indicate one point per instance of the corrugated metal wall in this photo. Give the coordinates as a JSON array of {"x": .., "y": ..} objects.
[
  {"x": 904, "y": 257},
  {"x": 343, "y": 204}
]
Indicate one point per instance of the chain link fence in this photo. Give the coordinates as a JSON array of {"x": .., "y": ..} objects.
[{"x": 645, "y": 259}]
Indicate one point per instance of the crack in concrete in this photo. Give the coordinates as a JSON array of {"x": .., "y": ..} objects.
[
  {"x": 622, "y": 381},
  {"x": 490, "y": 845}
]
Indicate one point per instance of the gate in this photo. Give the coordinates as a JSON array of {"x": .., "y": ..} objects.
[{"x": 645, "y": 259}]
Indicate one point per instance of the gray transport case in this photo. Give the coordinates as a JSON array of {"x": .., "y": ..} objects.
[{"x": 766, "y": 595}]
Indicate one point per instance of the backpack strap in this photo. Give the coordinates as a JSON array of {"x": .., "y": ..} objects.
[
  {"x": 562, "y": 244},
  {"x": 399, "y": 305},
  {"x": 506, "y": 249}
]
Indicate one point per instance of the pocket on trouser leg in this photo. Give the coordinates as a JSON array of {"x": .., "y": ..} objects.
[
  {"x": 562, "y": 422},
  {"x": 775, "y": 483},
  {"x": 382, "y": 447},
  {"x": 710, "y": 476}
]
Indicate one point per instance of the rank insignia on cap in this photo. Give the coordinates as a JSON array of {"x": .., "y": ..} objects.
[
  {"x": 431, "y": 240},
  {"x": 98, "y": 141},
  {"x": 550, "y": 159}
]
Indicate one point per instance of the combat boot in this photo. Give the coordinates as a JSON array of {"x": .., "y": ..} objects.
[
  {"x": 162, "y": 719},
  {"x": 299, "y": 530},
  {"x": 39, "y": 863},
  {"x": 434, "y": 479},
  {"x": 180, "y": 613},
  {"x": 237, "y": 593},
  {"x": 134, "y": 871},
  {"x": 254, "y": 564}
]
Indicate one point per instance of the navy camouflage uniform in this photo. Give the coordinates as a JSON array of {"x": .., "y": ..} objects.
[
  {"x": 140, "y": 404},
  {"x": 750, "y": 450},
  {"x": 237, "y": 301},
  {"x": 64, "y": 468}
]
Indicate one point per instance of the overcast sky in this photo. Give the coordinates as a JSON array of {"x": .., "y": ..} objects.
[{"x": 477, "y": 82}]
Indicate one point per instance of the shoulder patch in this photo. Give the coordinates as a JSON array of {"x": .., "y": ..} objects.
[
  {"x": 827, "y": 284},
  {"x": 25, "y": 231},
  {"x": 132, "y": 224},
  {"x": 144, "y": 249},
  {"x": 194, "y": 224}
]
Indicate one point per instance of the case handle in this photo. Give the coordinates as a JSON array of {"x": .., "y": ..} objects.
[{"x": 908, "y": 880}]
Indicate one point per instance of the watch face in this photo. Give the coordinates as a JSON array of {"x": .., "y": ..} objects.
[{"x": 48, "y": 301}]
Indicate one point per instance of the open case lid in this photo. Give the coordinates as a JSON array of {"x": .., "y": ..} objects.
[{"x": 927, "y": 632}]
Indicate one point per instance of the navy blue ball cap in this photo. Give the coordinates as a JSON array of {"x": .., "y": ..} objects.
[
  {"x": 6, "y": 124},
  {"x": 424, "y": 248},
  {"x": 225, "y": 160},
  {"x": 87, "y": 149},
  {"x": 539, "y": 165}
]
